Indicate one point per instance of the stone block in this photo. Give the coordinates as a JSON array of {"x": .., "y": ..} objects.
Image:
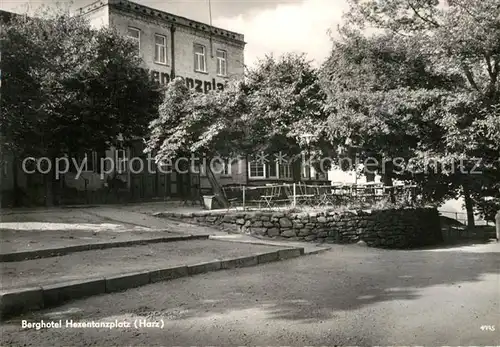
[
  {"x": 230, "y": 227},
  {"x": 298, "y": 225},
  {"x": 267, "y": 257},
  {"x": 333, "y": 233},
  {"x": 126, "y": 281},
  {"x": 168, "y": 274},
  {"x": 258, "y": 231},
  {"x": 322, "y": 234},
  {"x": 309, "y": 238},
  {"x": 204, "y": 267},
  {"x": 240, "y": 221},
  {"x": 285, "y": 222},
  {"x": 304, "y": 232},
  {"x": 17, "y": 301},
  {"x": 268, "y": 224},
  {"x": 290, "y": 253},
  {"x": 272, "y": 232},
  {"x": 229, "y": 218},
  {"x": 239, "y": 262},
  {"x": 257, "y": 224},
  {"x": 322, "y": 219},
  {"x": 58, "y": 293},
  {"x": 288, "y": 233}
]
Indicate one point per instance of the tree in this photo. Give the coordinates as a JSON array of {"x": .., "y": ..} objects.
[
  {"x": 267, "y": 112},
  {"x": 460, "y": 41},
  {"x": 286, "y": 101},
  {"x": 68, "y": 88},
  {"x": 382, "y": 98}
]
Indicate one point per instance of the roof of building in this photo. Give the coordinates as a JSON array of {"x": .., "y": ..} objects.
[
  {"x": 161, "y": 15},
  {"x": 6, "y": 16}
]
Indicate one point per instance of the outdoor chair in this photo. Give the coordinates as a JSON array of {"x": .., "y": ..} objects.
[
  {"x": 366, "y": 193},
  {"x": 270, "y": 196},
  {"x": 288, "y": 193},
  {"x": 378, "y": 192},
  {"x": 305, "y": 195},
  {"x": 338, "y": 194},
  {"x": 231, "y": 195},
  {"x": 325, "y": 197}
]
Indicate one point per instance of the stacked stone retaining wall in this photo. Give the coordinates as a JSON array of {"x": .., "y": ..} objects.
[{"x": 395, "y": 228}]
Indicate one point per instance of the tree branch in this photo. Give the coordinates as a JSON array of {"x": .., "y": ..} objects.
[
  {"x": 487, "y": 58},
  {"x": 493, "y": 70},
  {"x": 464, "y": 8},
  {"x": 426, "y": 20},
  {"x": 470, "y": 76}
]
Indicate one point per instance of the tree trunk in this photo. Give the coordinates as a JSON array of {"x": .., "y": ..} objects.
[
  {"x": 49, "y": 190},
  {"x": 297, "y": 170},
  {"x": 369, "y": 170},
  {"x": 469, "y": 205},
  {"x": 370, "y": 176},
  {"x": 50, "y": 184},
  {"x": 388, "y": 181},
  {"x": 17, "y": 190},
  {"x": 220, "y": 197}
]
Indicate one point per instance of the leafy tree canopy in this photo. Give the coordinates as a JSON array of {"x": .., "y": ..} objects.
[
  {"x": 268, "y": 111},
  {"x": 67, "y": 87},
  {"x": 419, "y": 77}
]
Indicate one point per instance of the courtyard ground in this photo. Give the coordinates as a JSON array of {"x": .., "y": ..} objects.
[{"x": 349, "y": 295}]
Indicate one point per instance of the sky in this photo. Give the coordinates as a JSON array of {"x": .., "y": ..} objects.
[{"x": 270, "y": 26}]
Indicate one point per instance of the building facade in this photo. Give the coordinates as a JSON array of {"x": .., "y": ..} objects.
[
  {"x": 170, "y": 46},
  {"x": 205, "y": 57}
]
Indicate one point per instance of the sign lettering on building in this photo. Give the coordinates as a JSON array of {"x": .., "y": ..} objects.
[{"x": 196, "y": 84}]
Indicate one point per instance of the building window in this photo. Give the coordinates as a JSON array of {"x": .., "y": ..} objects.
[
  {"x": 135, "y": 35},
  {"x": 89, "y": 161},
  {"x": 226, "y": 168},
  {"x": 200, "y": 63},
  {"x": 285, "y": 171},
  {"x": 307, "y": 171},
  {"x": 221, "y": 62},
  {"x": 256, "y": 169},
  {"x": 272, "y": 169},
  {"x": 202, "y": 170},
  {"x": 121, "y": 161},
  {"x": 160, "y": 49}
]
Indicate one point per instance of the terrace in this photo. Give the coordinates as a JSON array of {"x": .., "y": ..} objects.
[{"x": 301, "y": 195}]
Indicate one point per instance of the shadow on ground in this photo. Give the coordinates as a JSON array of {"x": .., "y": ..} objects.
[{"x": 308, "y": 289}]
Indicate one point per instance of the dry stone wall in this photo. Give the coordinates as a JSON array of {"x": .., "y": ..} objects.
[{"x": 396, "y": 228}]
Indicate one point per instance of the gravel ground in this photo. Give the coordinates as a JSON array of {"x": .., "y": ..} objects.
[
  {"x": 23, "y": 240},
  {"x": 56, "y": 216},
  {"x": 110, "y": 218},
  {"x": 98, "y": 263},
  {"x": 347, "y": 296}
]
